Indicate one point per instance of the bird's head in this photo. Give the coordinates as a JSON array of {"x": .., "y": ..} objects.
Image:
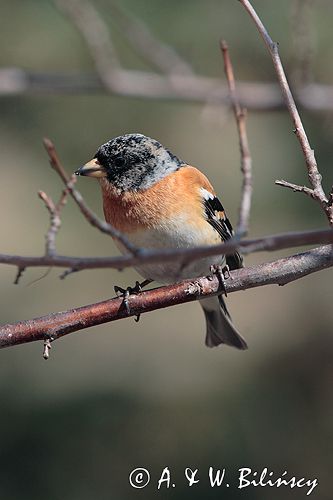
[{"x": 131, "y": 162}]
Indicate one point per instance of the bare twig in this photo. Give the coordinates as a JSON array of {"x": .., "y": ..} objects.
[
  {"x": 67, "y": 272},
  {"x": 55, "y": 221},
  {"x": 246, "y": 161},
  {"x": 96, "y": 35},
  {"x": 149, "y": 85},
  {"x": 92, "y": 218},
  {"x": 269, "y": 243},
  {"x": 310, "y": 160},
  {"x": 296, "y": 188},
  {"x": 57, "y": 325},
  {"x": 47, "y": 347},
  {"x": 162, "y": 56},
  {"x": 258, "y": 96},
  {"x": 20, "y": 271}
]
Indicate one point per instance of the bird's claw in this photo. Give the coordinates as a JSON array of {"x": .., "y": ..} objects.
[
  {"x": 126, "y": 292},
  {"x": 222, "y": 273},
  {"x": 119, "y": 291},
  {"x": 226, "y": 272}
]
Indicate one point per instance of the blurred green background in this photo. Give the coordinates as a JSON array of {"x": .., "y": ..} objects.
[{"x": 126, "y": 395}]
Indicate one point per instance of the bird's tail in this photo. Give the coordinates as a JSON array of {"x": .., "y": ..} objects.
[{"x": 220, "y": 329}]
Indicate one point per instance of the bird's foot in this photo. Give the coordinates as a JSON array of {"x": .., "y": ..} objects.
[
  {"x": 222, "y": 273},
  {"x": 126, "y": 292}
]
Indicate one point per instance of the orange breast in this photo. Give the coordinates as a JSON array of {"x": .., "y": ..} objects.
[{"x": 176, "y": 194}]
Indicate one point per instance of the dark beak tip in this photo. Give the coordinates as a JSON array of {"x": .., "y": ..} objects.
[{"x": 78, "y": 172}]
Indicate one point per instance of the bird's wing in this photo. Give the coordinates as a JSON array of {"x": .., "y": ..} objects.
[{"x": 216, "y": 217}]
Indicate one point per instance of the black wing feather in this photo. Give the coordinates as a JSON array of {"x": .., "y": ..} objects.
[{"x": 217, "y": 218}]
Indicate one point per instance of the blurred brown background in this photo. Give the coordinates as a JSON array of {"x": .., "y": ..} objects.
[{"x": 151, "y": 394}]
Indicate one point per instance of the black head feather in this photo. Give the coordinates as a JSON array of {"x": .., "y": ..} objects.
[{"x": 135, "y": 162}]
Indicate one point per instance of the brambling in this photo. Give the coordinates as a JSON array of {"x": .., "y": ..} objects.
[{"x": 158, "y": 201}]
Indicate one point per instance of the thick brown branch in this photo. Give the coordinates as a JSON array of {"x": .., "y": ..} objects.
[
  {"x": 269, "y": 243},
  {"x": 310, "y": 160},
  {"x": 56, "y": 325},
  {"x": 92, "y": 218},
  {"x": 246, "y": 161}
]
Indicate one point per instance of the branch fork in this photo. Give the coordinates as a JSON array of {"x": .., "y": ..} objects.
[{"x": 317, "y": 191}]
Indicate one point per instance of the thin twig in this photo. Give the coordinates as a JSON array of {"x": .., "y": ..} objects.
[
  {"x": 92, "y": 218},
  {"x": 162, "y": 56},
  {"x": 310, "y": 160},
  {"x": 57, "y": 325},
  {"x": 266, "y": 244},
  {"x": 46, "y": 350},
  {"x": 148, "y": 85},
  {"x": 257, "y": 96},
  {"x": 55, "y": 220},
  {"x": 96, "y": 36},
  {"x": 246, "y": 161},
  {"x": 67, "y": 272},
  {"x": 296, "y": 188},
  {"x": 20, "y": 271}
]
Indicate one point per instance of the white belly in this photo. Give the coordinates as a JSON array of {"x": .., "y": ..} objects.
[{"x": 175, "y": 234}]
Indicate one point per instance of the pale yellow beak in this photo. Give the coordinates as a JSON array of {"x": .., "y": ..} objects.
[{"x": 92, "y": 169}]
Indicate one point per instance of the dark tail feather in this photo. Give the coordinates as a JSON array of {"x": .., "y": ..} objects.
[{"x": 220, "y": 329}]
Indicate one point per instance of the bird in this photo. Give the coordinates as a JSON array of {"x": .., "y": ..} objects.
[{"x": 159, "y": 201}]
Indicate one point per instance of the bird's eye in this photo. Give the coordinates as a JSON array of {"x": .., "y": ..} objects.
[
  {"x": 119, "y": 162},
  {"x": 100, "y": 158}
]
